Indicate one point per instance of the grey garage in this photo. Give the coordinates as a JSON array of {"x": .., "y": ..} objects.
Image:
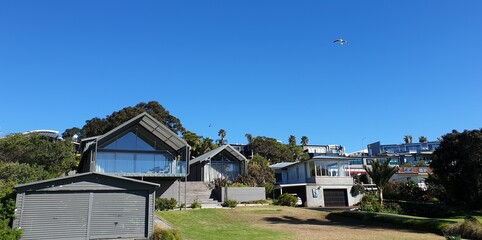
[{"x": 86, "y": 206}]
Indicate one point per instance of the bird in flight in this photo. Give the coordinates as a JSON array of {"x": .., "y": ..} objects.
[{"x": 340, "y": 41}]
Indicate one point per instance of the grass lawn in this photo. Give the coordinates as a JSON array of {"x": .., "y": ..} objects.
[{"x": 277, "y": 222}]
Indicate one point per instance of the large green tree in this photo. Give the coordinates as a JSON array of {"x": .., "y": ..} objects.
[
  {"x": 380, "y": 172},
  {"x": 457, "y": 164},
  {"x": 272, "y": 150},
  {"x": 222, "y": 134},
  {"x": 98, "y": 126}
]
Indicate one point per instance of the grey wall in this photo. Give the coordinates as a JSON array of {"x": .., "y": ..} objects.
[{"x": 241, "y": 194}]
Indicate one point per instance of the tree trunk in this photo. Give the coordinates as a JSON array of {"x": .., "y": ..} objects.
[{"x": 380, "y": 193}]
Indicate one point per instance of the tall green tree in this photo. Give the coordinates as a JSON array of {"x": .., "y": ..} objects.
[
  {"x": 222, "y": 134},
  {"x": 422, "y": 139},
  {"x": 304, "y": 140},
  {"x": 457, "y": 164},
  {"x": 98, "y": 126},
  {"x": 272, "y": 150},
  {"x": 407, "y": 138},
  {"x": 380, "y": 172},
  {"x": 249, "y": 137}
]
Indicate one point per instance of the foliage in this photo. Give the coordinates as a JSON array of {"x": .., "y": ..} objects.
[
  {"x": 166, "y": 234},
  {"x": 196, "y": 204},
  {"x": 222, "y": 134},
  {"x": 230, "y": 203},
  {"x": 457, "y": 163},
  {"x": 471, "y": 228},
  {"x": 408, "y": 191},
  {"x": 380, "y": 173},
  {"x": 286, "y": 199},
  {"x": 7, "y": 233},
  {"x": 292, "y": 140},
  {"x": 98, "y": 126},
  {"x": 357, "y": 189},
  {"x": 272, "y": 150},
  {"x": 304, "y": 140},
  {"x": 422, "y": 139},
  {"x": 70, "y": 132},
  {"x": 220, "y": 182},
  {"x": 408, "y": 138},
  {"x": 56, "y": 157},
  {"x": 237, "y": 184},
  {"x": 199, "y": 145},
  {"x": 164, "y": 204},
  {"x": 370, "y": 203}
]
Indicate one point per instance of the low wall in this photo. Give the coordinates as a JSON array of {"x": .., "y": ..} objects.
[{"x": 240, "y": 194}]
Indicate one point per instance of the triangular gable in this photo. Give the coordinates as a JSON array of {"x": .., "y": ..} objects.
[
  {"x": 145, "y": 120},
  {"x": 205, "y": 157}
]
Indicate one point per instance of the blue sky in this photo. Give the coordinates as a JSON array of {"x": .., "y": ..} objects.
[{"x": 269, "y": 68}]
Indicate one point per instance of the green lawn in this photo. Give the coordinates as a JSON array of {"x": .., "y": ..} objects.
[{"x": 211, "y": 224}]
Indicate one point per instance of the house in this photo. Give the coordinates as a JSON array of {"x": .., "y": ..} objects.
[
  {"x": 320, "y": 150},
  {"x": 86, "y": 206},
  {"x": 141, "y": 148},
  {"x": 222, "y": 162},
  {"x": 323, "y": 181}
]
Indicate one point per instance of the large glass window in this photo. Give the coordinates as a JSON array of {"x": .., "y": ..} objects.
[
  {"x": 332, "y": 168},
  {"x": 120, "y": 162}
]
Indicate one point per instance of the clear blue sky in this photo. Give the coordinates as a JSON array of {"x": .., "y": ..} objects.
[{"x": 269, "y": 68}]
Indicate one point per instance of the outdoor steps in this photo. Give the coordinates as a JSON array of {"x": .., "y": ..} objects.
[{"x": 200, "y": 192}]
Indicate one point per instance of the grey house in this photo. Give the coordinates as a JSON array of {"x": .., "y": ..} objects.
[
  {"x": 141, "y": 148},
  {"x": 86, "y": 206},
  {"x": 222, "y": 162}
]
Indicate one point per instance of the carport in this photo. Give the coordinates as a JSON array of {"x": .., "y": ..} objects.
[{"x": 86, "y": 206}]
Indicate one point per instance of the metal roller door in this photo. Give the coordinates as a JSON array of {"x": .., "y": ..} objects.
[
  {"x": 119, "y": 213},
  {"x": 335, "y": 197},
  {"x": 55, "y": 216}
]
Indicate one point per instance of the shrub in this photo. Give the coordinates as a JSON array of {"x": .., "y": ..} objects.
[
  {"x": 7, "y": 233},
  {"x": 164, "y": 204},
  {"x": 370, "y": 203},
  {"x": 286, "y": 199},
  {"x": 166, "y": 234},
  {"x": 238, "y": 184},
  {"x": 220, "y": 182},
  {"x": 357, "y": 189},
  {"x": 471, "y": 228},
  {"x": 196, "y": 204},
  {"x": 230, "y": 203}
]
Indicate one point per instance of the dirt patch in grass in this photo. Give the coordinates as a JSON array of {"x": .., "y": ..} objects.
[{"x": 313, "y": 224}]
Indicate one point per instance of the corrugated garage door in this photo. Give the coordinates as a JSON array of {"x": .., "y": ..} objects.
[
  {"x": 335, "y": 197},
  {"x": 119, "y": 213},
  {"x": 55, "y": 216}
]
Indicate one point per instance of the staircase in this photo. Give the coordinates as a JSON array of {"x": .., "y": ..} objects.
[{"x": 199, "y": 191}]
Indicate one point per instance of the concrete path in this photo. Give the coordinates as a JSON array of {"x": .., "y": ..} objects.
[{"x": 161, "y": 223}]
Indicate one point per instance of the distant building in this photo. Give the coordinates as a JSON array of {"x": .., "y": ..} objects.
[
  {"x": 51, "y": 134},
  {"x": 324, "y": 150},
  {"x": 404, "y": 153}
]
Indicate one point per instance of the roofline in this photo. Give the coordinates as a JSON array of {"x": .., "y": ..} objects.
[{"x": 84, "y": 174}]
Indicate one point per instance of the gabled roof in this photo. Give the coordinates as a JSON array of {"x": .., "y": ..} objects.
[
  {"x": 214, "y": 152},
  {"x": 281, "y": 165},
  {"x": 77, "y": 176},
  {"x": 152, "y": 125}
]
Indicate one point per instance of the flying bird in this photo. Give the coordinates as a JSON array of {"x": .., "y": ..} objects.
[{"x": 340, "y": 41}]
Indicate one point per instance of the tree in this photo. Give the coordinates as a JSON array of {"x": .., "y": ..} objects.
[
  {"x": 222, "y": 134},
  {"x": 70, "y": 132},
  {"x": 422, "y": 139},
  {"x": 380, "y": 173},
  {"x": 98, "y": 126},
  {"x": 457, "y": 165},
  {"x": 304, "y": 141},
  {"x": 407, "y": 138},
  {"x": 292, "y": 140},
  {"x": 272, "y": 150},
  {"x": 56, "y": 157},
  {"x": 249, "y": 137}
]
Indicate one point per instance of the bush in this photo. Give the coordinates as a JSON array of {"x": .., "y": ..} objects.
[
  {"x": 370, "y": 203},
  {"x": 238, "y": 184},
  {"x": 166, "y": 234},
  {"x": 357, "y": 189},
  {"x": 196, "y": 204},
  {"x": 220, "y": 182},
  {"x": 471, "y": 228},
  {"x": 7, "y": 233},
  {"x": 230, "y": 203},
  {"x": 286, "y": 199},
  {"x": 164, "y": 204}
]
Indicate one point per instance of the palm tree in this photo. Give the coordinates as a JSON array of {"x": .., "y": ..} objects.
[
  {"x": 249, "y": 137},
  {"x": 407, "y": 138},
  {"x": 304, "y": 141},
  {"x": 222, "y": 134},
  {"x": 380, "y": 173},
  {"x": 292, "y": 140},
  {"x": 422, "y": 139}
]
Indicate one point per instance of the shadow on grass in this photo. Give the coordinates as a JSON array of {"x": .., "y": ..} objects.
[{"x": 363, "y": 222}]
